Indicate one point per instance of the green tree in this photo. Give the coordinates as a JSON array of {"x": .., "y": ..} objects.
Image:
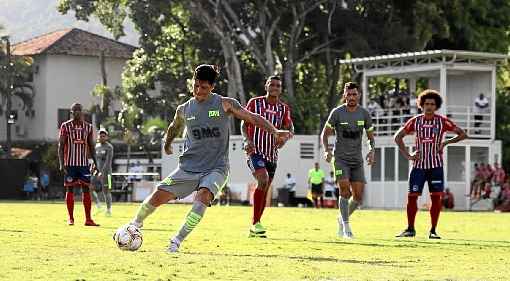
[{"x": 14, "y": 84}]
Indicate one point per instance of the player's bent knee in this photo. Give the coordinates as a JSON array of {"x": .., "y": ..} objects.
[{"x": 204, "y": 195}]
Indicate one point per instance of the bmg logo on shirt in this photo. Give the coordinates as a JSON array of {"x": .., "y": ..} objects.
[{"x": 202, "y": 133}]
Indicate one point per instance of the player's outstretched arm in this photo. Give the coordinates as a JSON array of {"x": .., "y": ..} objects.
[
  {"x": 174, "y": 129},
  {"x": 327, "y": 131},
  {"x": 233, "y": 107}
]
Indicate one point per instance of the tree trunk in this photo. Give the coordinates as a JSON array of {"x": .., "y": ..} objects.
[{"x": 9, "y": 102}]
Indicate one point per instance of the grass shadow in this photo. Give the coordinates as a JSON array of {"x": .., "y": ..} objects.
[{"x": 303, "y": 258}]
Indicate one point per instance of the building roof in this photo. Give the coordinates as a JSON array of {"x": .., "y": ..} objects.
[
  {"x": 75, "y": 42},
  {"x": 458, "y": 55}
]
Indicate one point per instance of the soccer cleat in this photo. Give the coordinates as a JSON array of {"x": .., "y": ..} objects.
[
  {"x": 174, "y": 245},
  {"x": 407, "y": 233},
  {"x": 90, "y": 223},
  {"x": 433, "y": 235},
  {"x": 347, "y": 232},
  {"x": 70, "y": 222},
  {"x": 340, "y": 232},
  {"x": 108, "y": 212},
  {"x": 257, "y": 230}
]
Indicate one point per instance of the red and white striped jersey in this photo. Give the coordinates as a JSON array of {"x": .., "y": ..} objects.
[
  {"x": 429, "y": 135},
  {"x": 76, "y": 136},
  {"x": 278, "y": 114}
]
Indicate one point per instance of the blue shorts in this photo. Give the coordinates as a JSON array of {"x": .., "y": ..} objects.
[
  {"x": 257, "y": 162},
  {"x": 77, "y": 175},
  {"x": 434, "y": 177}
]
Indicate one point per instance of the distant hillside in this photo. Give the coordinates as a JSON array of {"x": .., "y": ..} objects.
[{"x": 24, "y": 19}]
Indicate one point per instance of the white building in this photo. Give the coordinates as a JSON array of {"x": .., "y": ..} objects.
[
  {"x": 459, "y": 76},
  {"x": 66, "y": 69}
]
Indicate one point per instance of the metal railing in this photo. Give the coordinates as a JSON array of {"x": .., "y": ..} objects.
[{"x": 386, "y": 122}]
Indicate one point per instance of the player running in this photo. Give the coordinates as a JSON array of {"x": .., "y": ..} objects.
[
  {"x": 348, "y": 122},
  {"x": 103, "y": 180},
  {"x": 75, "y": 143},
  {"x": 203, "y": 165},
  {"x": 262, "y": 148},
  {"x": 427, "y": 158}
]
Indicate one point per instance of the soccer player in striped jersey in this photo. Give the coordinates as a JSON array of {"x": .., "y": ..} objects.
[
  {"x": 75, "y": 144},
  {"x": 262, "y": 147},
  {"x": 427, "y": 158}
]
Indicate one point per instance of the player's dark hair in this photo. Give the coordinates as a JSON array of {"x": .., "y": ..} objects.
[
  {"x": 76, "y": 104},
  {"x": 207, "y": 72},
  {"x": 350, "y": 86},
  {"x": 273, "y": 77},
  {"x": 430, "y": 94}
]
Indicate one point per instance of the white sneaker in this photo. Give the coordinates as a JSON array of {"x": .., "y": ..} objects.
[
  {"x": 347, "y": 232},
  {"x": 174, "y": 245},
  {"x": 340, "y": 232},
  {"x": 108, "y": 212}
]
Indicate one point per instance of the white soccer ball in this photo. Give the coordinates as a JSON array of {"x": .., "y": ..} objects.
[{"x": 128, "y": 238}]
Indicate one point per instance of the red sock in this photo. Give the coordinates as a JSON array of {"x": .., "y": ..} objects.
[
  {"x": 263, "y": 204},
  {"x": 87, "y": 203},
  {"x": 435, "y": 209},
  {"x": 258, "y": 201},
  {"x": 70, "y": 204},
  {"x": 412, "y": 209}
]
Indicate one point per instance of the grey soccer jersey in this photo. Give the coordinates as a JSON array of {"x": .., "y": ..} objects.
[
  {"x": 104, "y": 154},
  {"x": 349, "y": 131},
  {"x": 207, "y": 135}
]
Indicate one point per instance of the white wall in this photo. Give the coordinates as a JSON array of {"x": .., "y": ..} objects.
[{"x": 60, "y": 81}]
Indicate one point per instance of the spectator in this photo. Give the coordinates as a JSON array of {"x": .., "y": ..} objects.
[
  {"x": 329, "y": 185},
  {"x": 290, "y": 184},
  {"x": 487, "y": 189},
  {"x": 481, "y": 107},
  {"x": 504, "y": 201},
  {"x": 499, "y": 175},
  {"x": 135, "y": 168},
  {"x": 373, "y": 108},
  {"x": 44, "y": 181},
  {"x": 29, "y": 187},
  {"x": 316, "y": 181},
  {"x": 448, "y": 200}
]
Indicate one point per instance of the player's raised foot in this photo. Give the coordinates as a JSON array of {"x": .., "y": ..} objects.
[
  {"x": 90, "y": 223},
  {"x": 174, "y": 245},
  {"x": 347, "y": 232},
  {"x": 407, "y": 233},
  {"x": 70, "y": 222},
  {"x": 433, "y": 235}
]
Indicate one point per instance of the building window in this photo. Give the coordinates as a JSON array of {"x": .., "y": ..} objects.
[
  {"x": 376, "y": 167},
  {"x": 403, "y": 167},
  {"x": 389, "y": 164},
  {"x": 306, "y": 150},
  {"x": 456, "y": 163}
]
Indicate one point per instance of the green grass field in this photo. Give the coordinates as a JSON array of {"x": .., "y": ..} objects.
[{"x": 302, "y": 245}]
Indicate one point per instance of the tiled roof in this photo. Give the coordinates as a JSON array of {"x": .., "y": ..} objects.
[{"x": 73, "y": 41}]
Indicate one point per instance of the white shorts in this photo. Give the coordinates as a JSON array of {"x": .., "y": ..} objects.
[{"x": 182, "y": 183}]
